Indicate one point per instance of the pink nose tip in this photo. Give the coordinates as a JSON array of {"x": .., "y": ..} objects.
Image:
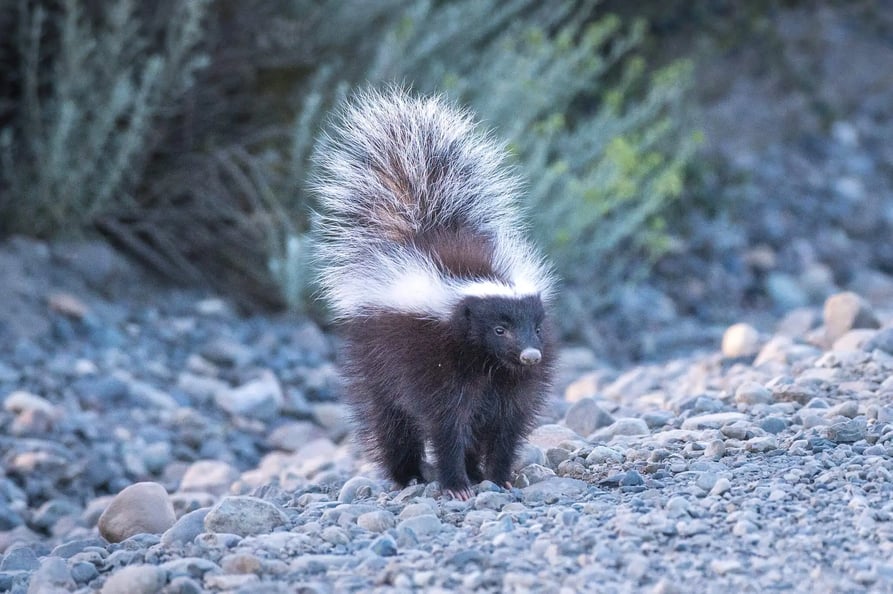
[{"x": 531, "y": 356}]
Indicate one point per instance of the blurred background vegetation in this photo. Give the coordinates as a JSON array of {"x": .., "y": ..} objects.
[{"x": 181, "y": 130}]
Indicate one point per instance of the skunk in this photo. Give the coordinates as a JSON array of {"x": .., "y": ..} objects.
[{"x": 423, "y": 260}]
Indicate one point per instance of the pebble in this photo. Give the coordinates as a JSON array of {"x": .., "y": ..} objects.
[
  {"x": 721, "y": 486},
  {"x": 751, "y": 393},
  {"x": 712, "y": 421},
  {"x": 585, "y": 416},
  {"x": 244, "y": 515},
  {"x": 209, "y": 476},
  {"x": 846, "y": 311},
  {"x": 358, "y": 487},
  {"x": 376, "y": 521},
  {"x": 186, "y": 528},
  {"x": 140, "y": 508},
  {"x": 51, "y": 576},
  {"x": 135, "y": 579},
  {"x": 260, "y": 398},
  {"x": 740, "y": 340},
  {"x": 628, "y": 426},
  {"x": 422, "y": 525}
]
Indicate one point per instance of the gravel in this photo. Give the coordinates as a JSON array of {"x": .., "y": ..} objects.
[{"x": 155, "y": 441}]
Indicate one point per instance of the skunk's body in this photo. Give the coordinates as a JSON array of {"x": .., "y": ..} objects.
[{"x": 424, "y": 261}]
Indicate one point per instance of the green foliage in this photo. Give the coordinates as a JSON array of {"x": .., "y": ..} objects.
[
  {"x": 186, "y": 137},
  {"x": 601, "y": 138},
  {"x": 91, "y": 91}
]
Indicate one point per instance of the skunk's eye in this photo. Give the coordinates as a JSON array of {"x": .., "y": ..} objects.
[
  {"x": 539, "y": 330},
  {"x": 499, "y": 330}
]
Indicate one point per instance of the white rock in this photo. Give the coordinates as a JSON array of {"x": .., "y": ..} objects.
[
  {"x": 740, "y": 340},
  {"x": 209, "y": 476},
  {"x": 259, "y": 399}
]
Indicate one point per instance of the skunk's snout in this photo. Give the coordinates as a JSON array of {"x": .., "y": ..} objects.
[{"x": 531, "y": 356}]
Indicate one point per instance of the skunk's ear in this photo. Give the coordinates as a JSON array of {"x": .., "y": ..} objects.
[{"x": 466, "y": 311}]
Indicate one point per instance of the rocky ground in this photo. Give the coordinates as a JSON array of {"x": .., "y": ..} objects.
[
  {"x": 154, "y": 440},
  {"x": 176, "y": 447}
]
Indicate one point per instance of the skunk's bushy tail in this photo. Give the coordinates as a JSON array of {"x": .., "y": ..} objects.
[{"x": 395, "y": 167}]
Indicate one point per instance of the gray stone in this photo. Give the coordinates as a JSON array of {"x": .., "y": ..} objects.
[
  {"x": 552, "y": 436},
  {"x": 628, "y": 426},
  {"x": 555, "y": 488},
  {"x": 227, "y": 353},
  {"x": 376, "y": 521},
  {"x": 774, "y": 425},
  {"x": 195, "y": 567},
  {"x": 139, "y": 508},
  {"x": 712, "y": 421},
  {"x": 847, "y": 432},
  {"x": 847, "y": 311},
  {"x": 260, "y": 398},
  {"x": 422, "y": 525},
  {"x": 715, "y": 449},
  {"x": 657, "y": 418},
  {"x": 384, "y": 546},
  {"x": 706, "y": 480},
  {"x": 292, "y": 436},
  {"x": 882, "y": 340},
  {"x": 335, "y": 535},
  {"x": 603, "y": 454},
  {"x": 19, "y": 559},
  {"x": 135, "y": 579},
  {"x": 751, "y": 393},
  {"x": 586, "y": 416},
  {"x": 761, "y": 444},
  {"x": 334, "y": 417},
  {"x": 358, "y": 487},
  {"x": 245, "y": 516},
  {"x": 83, "y": 572},
  {"x": 185, "y": 529},
  {"x": 721, "y": 485},
  {"x": 51, "y": 577},
  {"x": 208, "y": 476},
  {"x": 182, "y": 585},
  {"x": 73, "y": 547},
  {"x": 632, "y": 479},
  {"x": 535, "y": 473}
]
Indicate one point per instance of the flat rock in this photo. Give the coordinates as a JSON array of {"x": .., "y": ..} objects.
[
  {"x": 135, "y": 579},
  {"x": 260, "y": 398},
  {"x": 551, "y": 436},
  {"x": 209, "y": 476},
  {"x": 712, "y": 421},
  {"x": 245, "y": 516}
]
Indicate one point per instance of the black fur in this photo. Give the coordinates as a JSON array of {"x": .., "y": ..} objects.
[{"x": 458, "y": 384}]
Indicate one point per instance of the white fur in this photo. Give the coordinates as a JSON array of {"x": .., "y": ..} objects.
[{"x": 362, "y": 249}]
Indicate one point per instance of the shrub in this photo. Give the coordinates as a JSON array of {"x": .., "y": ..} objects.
[
  {"x": 185, "y": 139},
  {"x": 602, "y": 140},
  {"x": 90, "y": 90}
]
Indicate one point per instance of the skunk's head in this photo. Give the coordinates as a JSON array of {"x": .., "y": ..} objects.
[{"x": 507, "y": 329}]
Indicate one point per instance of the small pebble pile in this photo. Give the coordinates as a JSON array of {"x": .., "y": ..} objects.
[{"x": 189, "y": 450}]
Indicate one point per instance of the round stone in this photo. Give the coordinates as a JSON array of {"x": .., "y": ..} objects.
[
  {"x": 740, "y": 340},
  {"x": 139, "y": 508}
]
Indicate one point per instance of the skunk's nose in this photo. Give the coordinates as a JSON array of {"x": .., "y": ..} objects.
[{"x": 531, "y": 356}]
